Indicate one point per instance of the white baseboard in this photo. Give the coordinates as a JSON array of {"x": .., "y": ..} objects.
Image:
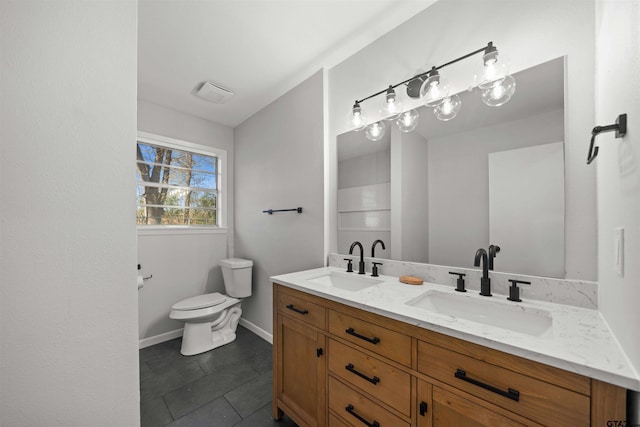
[
  {"x": 157, "y": 339},
  {"x": 257, "y": 330},
  {"x": 167, "y": 336}
]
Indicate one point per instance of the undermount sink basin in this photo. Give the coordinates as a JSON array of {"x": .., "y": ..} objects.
[
  {"x": 505, "y": 315},
  {"x": 345, "y": 281}
]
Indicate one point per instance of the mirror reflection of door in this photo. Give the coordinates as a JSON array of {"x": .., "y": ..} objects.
[{"x": 526, "y": 209}]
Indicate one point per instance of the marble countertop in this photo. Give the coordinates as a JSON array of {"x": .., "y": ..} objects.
[{"x": 580, "y": 340}]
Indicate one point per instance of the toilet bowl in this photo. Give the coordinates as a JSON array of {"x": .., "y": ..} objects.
[{"x": 211, "y": 319}]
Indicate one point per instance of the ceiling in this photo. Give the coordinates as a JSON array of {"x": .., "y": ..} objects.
[
  {"x": 539, "y": 89},
  {"x": 259, "y": 49}
]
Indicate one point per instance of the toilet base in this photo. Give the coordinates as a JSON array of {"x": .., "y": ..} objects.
[{"x": 199, "y": 337}]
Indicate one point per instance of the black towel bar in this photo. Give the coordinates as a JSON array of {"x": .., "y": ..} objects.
[{"x": 271, "y": 211}]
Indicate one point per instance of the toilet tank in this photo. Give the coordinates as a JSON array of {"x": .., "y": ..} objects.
[{"x": 236, "y": 273}]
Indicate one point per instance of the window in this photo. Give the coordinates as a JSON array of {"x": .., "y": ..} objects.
[{"x": 177, "y": 183}]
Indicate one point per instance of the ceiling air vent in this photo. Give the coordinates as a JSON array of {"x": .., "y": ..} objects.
[{"x": 213, "y": 93}]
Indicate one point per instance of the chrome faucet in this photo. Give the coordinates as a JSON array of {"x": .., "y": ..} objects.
[
  {"x": 485, "y": 281},
  {"x": 373, "y": 247},
  {"x": 361, "y": 263}
]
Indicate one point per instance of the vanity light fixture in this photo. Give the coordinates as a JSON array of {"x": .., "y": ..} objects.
[
  {"x": 375, "y": 131},
  {"x": 499, "y": 94},
  {"x": 492, "y": 79},
  {"x": 408, "y": 121},
  {"x": 448, "y": 109},
  {"x": 391, "y": 106},
  {"x": 357, "y": 118},
  {"x": 494, "y": 69},
  {"x": 434, "y": 90}
]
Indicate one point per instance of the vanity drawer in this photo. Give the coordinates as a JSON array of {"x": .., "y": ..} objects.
[
  {"x": 302, "y": 309},
  {"x": 381, "y": 380},
  {"x": 335, "y": 421},
  {"x": 357, "y": 409},
  {"x": 388, "y": 343},
  {"x": 531, "y": 398}
]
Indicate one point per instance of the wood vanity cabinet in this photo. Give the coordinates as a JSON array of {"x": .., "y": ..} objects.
[
  {"x": 299, "y": 359},
  {"x": 337, "y": 366}
]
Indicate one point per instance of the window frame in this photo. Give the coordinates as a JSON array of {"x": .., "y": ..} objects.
[{"x": 221, "y": 184}]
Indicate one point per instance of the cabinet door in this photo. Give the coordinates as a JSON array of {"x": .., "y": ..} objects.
[
  {"x": 301, "y": 370},
  {"x": 425, "y": 404},
  {"x": 452, "y": 409}
]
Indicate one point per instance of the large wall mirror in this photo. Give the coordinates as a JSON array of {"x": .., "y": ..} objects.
[{"x": 491, "y": 175}]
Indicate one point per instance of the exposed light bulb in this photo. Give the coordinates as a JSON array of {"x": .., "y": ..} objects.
[
  {"x": 495, "y": 67},
  {"x": 357, "y": 119},
  {"x": 408, "y": 121},
  {"x": 448, "y": 109},
  {"x": 434, "y": 89},
  {"x": 391, "y": 105},
  {"x": 375, "y": 131},
  {"x": 501, "y": 93}
]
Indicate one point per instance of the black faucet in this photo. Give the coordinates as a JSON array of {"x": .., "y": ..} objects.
[
  {"x": 361, "y": 263},
  {"x": 373, "y": 247},
  {"x": 493, "y": 251},
  {"x": 485, "y": 282}
]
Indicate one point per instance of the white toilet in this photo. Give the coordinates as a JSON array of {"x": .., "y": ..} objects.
[{"x": 211, "y": 319}]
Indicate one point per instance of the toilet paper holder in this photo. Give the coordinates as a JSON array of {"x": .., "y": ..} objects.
[{"x": 144, "y": 277}]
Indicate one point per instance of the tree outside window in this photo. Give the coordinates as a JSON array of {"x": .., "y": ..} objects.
[{"x": 175, "y": 187}]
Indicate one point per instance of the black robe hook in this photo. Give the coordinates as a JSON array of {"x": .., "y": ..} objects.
[{"x": 620, "y": 127}]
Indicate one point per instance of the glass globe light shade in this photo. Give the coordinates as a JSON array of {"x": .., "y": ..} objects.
[
  {"x": 434, "y": 89},
  {"x": 391, "y": 105},
  {"x": 494, "y": 68},
  {"x": 448, "y": 109},
  {"x": 357, "y": 120},
  {"x": 408, "y": 121},
  {"x": 501, "y": 93},
  {"x": 375, "y": 131}
]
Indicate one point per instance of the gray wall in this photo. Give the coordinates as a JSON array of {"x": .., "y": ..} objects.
[
  {"x": 279, "y": 165},
  {"x": 68, "y": 295},
  {"x": 184, "y": 263}
]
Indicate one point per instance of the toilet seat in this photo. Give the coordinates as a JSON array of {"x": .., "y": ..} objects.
[
  {"x": 185, "y": 310},
  {"x": 200, "y": 301}
]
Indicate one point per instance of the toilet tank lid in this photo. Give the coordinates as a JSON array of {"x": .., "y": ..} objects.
[
  {"x": 236, "y": 263},
  {"x": 200, "y": 301}
]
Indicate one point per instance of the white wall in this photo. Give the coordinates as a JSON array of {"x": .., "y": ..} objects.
[
  {"x": 618, "y": 165},
  {"x": 279, "y": 165},
  {"x": 459, "y": 183},
  {"x": 68, "y": 298},
  {"x": 183, "y": 263},
  {"x": 530, "y": 32}
]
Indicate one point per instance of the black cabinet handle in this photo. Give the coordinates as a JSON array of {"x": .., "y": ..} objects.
[
  {"x": 510, "y": 393},
  {"x": 375, "y": 380},
  {"x": 423, "y": 408},
  {"x": 374, "y": 340},
  {"x": 297, "y": 310},
  {"x": 350, "y": 409}
]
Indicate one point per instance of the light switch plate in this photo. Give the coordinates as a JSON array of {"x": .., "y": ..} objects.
[{"x": 618, "y": 251}]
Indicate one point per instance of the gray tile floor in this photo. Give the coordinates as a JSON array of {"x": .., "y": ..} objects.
[{"x": 228, "y": 386}]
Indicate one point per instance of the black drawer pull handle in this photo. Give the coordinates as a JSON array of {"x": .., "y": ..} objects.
[
  {"x": 297, "y": 310},
  {"x": 374, "y": 340},
  {"x": 350, "y": 409},
  {"x": 510, "y": 393},
  {"x": 375, "y": 380}
]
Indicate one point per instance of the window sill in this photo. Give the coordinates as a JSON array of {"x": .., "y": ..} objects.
[{"x": 157, "y": 230}]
